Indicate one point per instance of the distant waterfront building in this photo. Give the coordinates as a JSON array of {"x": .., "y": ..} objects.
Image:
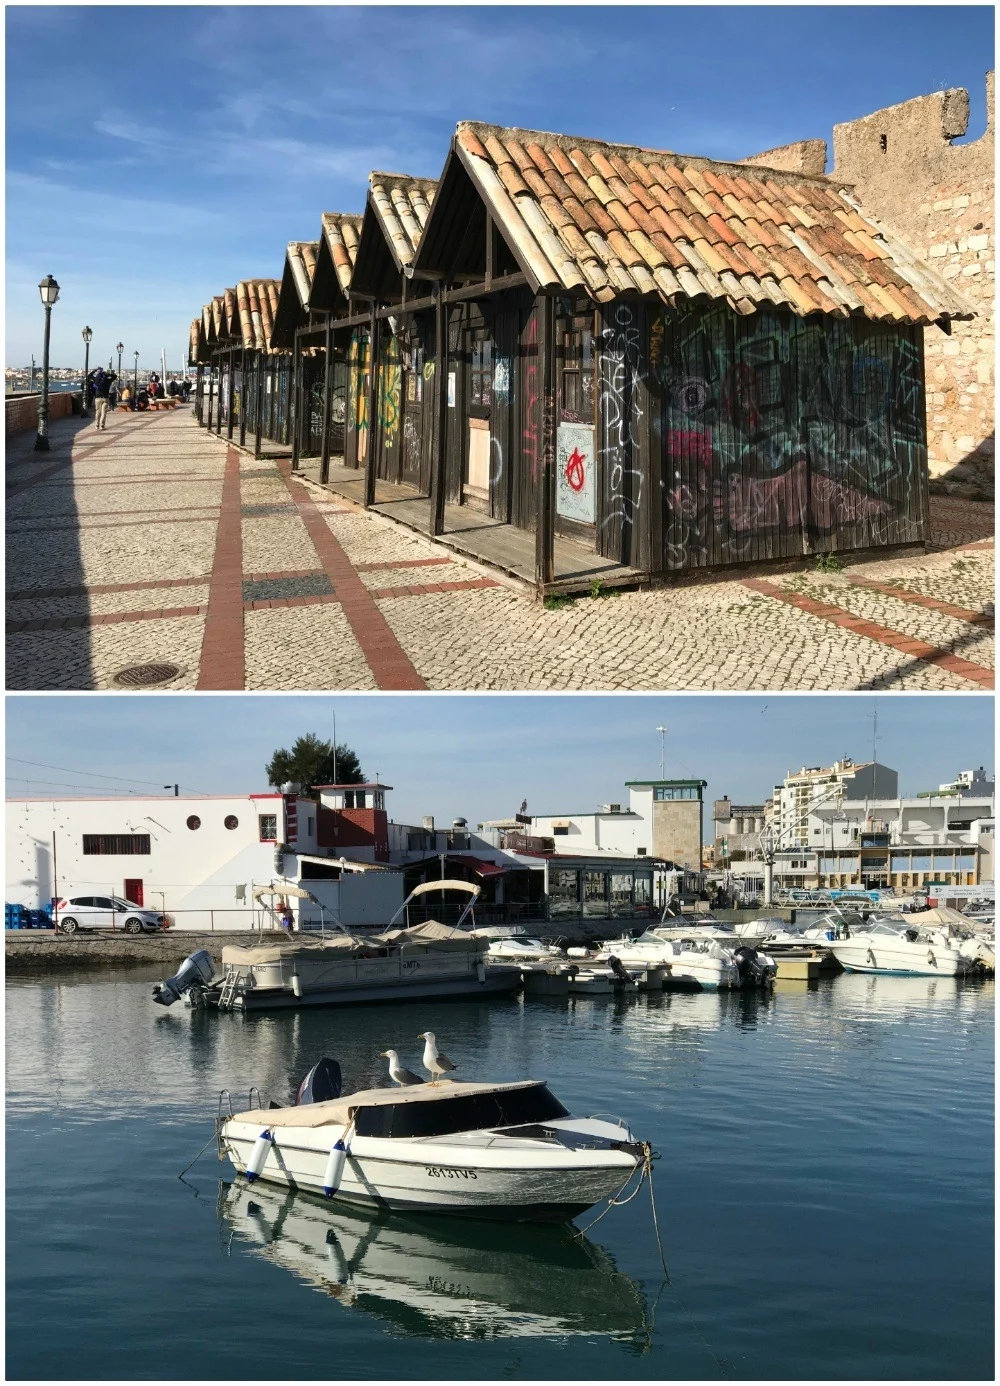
[
  {"x": 846, "y": 781},
  {"x": 663, "y": 819},
  {"x": 737, "y": 830},
  {"x": 200, "y": 859}
]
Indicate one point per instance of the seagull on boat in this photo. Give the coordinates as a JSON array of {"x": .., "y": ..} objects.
[
  {"x": 397, "y": 1072},
  {"x": 435, "y": 1062}
]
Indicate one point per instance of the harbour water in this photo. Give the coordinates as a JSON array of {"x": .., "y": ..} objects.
[{"x": 824, "y": 1188}]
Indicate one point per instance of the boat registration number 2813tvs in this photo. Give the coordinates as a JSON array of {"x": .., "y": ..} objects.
[{"x": 506, "y": 1150}]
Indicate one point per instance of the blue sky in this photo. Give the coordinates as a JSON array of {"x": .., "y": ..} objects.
[
  {"x": 157, "y": 155},
  {"x": 478, "y": 756}
]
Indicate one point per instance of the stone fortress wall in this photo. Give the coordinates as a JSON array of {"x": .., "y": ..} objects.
[{"x": 938, "y": 196}]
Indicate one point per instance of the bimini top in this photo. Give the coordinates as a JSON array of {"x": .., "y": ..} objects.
[
  {"x": 609, "y": 219},
  {"x": 473, "y": 1106}
]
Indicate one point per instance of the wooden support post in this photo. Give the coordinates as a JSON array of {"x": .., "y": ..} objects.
[
  {"x": 372, "y": 411},
  {"x": 545, "y": 524},
  {"x": 232, "y": 393},
  {"x": 440, "y": 433},
  {"x": 211, "y": 393},
  {"x": 296, "y": 400},
  {"x": 244, "y": 393},
  {"x": 324, "y": 461},
  {"x": 488, "y": 280},
  {"x": 262, "y": 370}
]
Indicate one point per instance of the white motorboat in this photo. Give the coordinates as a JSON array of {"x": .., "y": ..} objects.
[
  {"x": 694, "y": 958},
  {"x": 505, "y": 1150},
  {"x": 423, "y": 962},
  {"x": 445, "y": 1277},
  {"x": 522, "y": 950},
  {"x": 906, "y": 947}
]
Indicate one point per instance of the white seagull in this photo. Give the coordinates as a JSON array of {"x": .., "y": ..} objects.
[
  {"x": 436, "y": 1063},
  {"x": 397, "y": 1072}
]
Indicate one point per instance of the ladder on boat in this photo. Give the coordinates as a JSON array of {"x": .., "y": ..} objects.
[{"x": 227, "y": 995}]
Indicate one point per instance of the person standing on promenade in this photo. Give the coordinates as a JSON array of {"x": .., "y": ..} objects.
[{"x": 102, "y": 389}]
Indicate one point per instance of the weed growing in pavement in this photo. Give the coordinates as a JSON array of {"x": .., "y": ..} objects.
[
  {"x": 557, "y": 603},
  {"x": 827, "y": 563}
]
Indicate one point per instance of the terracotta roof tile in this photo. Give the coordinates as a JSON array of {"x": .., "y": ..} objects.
[
  {"x": 401, "y": 204},
  {"x": 341, "y": 232}
]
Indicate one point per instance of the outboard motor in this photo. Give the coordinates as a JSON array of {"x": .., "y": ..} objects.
[
  {"x": 619, "y": 971},
  {"x": 323, "y": 1083},
  {"x": 197, "y": 969},
  {"x": 749, "y": 966}
]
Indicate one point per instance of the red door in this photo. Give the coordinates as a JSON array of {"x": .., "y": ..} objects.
[{"x": 133, "y": 892}]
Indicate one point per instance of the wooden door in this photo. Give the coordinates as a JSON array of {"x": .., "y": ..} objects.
[
  {"x": 479, "y": 410},
  {"x": 413, "y": 413},
  {"x": 133, "y": 891}
]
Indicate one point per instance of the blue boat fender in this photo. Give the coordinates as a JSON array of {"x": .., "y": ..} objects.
[
  {"x": 258, "y": 1155},
  {"x": 335, "y": 1167}
]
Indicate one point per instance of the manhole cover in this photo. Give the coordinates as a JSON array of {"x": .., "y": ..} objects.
[{"x": 145, "y": 675}]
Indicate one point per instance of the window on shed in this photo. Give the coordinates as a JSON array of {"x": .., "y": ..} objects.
[
  {"x": 268, "y": 827},
  {"x": 116, "y": 844},
  {"x": 575, "y": 360},
  {"x": 480, "y": 369}
]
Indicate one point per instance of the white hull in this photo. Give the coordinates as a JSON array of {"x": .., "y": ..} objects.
[
  {"x": 861, "y": 954},
  {"x": 440, "y": 1174},
  {"x": 681, "y": 967}
]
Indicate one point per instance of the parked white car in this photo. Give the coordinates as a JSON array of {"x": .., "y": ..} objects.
[{"x": 105, "y": 912}]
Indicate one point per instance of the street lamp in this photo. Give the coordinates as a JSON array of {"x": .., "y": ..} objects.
[
  {"x": 49, "y": 291},
  {"x": 120, "y": 348},
  {"x": 135, "y": 380},
  {"x": 88, "y": 337}
]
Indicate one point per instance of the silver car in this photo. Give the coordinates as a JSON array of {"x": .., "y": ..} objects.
[{"x": 105, "y": 912}]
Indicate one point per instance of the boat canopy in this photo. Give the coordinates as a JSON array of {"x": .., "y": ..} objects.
[
  {"x": 429, "y": 936},
  {"x": 449, "y": 1090}
]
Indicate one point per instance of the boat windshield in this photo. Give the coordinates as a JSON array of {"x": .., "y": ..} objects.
[{"x": 483, "y": 1111}]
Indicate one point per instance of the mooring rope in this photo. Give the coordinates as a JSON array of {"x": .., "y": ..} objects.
[{"x": 201, "y": 1152}]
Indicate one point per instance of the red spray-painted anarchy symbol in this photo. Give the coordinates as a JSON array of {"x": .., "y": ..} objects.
[{"x": 575, "y": 473}]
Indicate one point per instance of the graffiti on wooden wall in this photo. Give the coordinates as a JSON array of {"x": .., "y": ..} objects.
[
  {"x": 619, "y": 375},
  {"x": 786, "y": 433},
  {"x": 357, "y": 394}
]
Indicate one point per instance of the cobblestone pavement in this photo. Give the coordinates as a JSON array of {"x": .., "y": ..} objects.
[{"x": 155, "y": 543}]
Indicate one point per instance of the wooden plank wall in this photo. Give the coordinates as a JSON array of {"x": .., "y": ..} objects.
[{"x": 777, "y": 436}]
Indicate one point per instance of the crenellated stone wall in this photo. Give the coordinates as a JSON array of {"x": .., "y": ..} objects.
[{"x": 938, "y": 196}]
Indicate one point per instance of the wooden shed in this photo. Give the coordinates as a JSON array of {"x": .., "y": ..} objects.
[{"x": 685, "y": 362}]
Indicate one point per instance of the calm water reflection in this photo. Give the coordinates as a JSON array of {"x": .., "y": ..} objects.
[{"x": 824, "y": 1187}]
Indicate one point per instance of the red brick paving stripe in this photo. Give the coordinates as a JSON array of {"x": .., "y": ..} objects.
[
  {"x": 960, "y": 613},
  {"x": 388, "y": 661},
  {"x": 104, "y": 618},
  {"x": 31, "y": 594},
  {"x": 916, "y": 649},
  {"x": 223, "y": 661},
  {"x": 286, "y": 573},
  {"x": 401, "y": 563},
  {"x": 422, "y": 589},
  {"x": 268, "y": 603}
]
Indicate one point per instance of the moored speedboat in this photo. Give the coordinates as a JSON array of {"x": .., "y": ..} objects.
[
  {"x": 691, "y": 958},
  {"x": 905, "y": 947},
  {"x": 508, "y": 1150}
]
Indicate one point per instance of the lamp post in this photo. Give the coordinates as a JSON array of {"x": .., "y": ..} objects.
[
  {"x": 135, "y": 380},
  {"x": 120, "y": 348},
  {"x": 49, "y": 291},
  {"x": 88, "y": 337}
]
